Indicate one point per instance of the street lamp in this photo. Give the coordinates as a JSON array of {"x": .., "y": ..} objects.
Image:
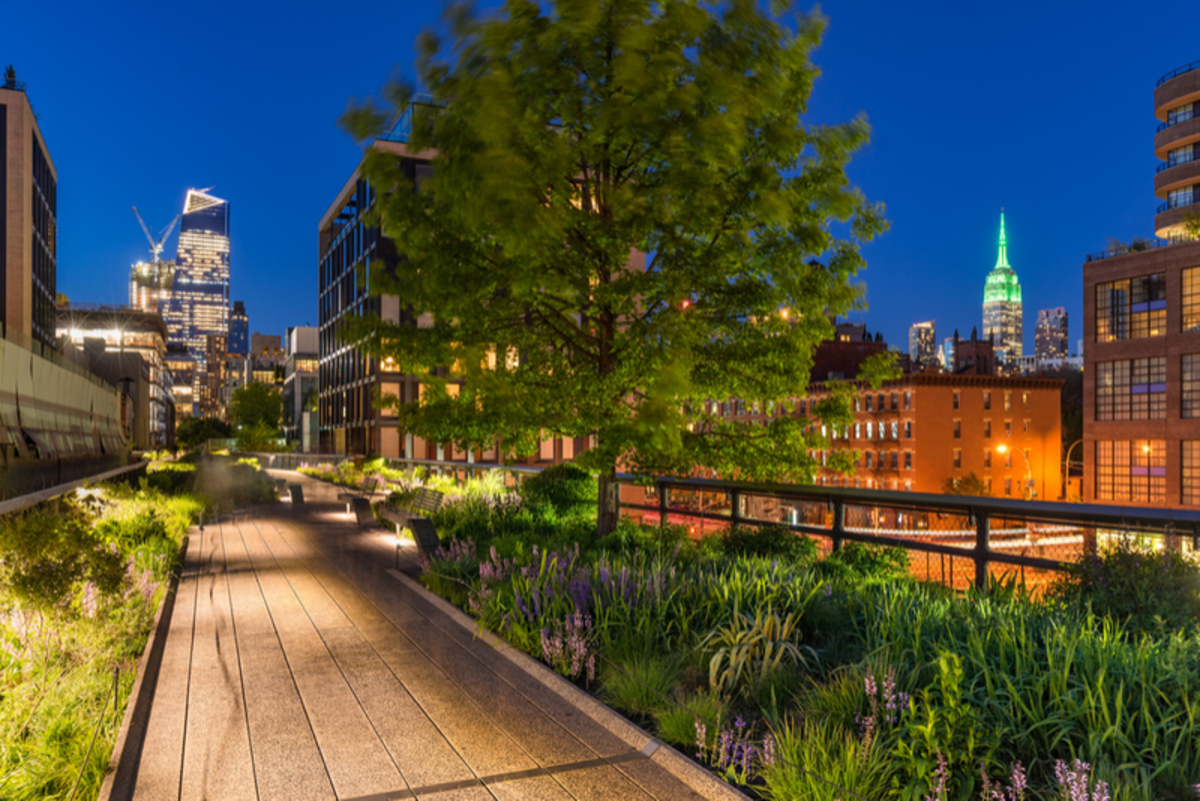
[
  {"x": 1002, "y": 448},
  {"x": 1067, "y": 468}
]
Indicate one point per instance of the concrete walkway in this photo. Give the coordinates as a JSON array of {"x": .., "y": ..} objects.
[{"x": 296, "y": 667}]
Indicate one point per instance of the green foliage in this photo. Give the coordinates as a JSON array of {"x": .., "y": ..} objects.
[
  {"x": 639, "y": 685},
  {"x": 193, "y": 432},
  {"x": 868, "y": 561},
  {"x": 1150, "y": 591},
  {"x": 750, "y": 649},
  {"x": 258, "y": 437},
  {"x": 970, "y": 484},
  {"x": 171, "y": 477},
  {"x": 568, "y": 136},
  {"x": 677, "y": 722},
  {"x": 820, "y": 748},
  {"x": 562, "y": 491},
  {"x": 769, "y": 542},
  {"x": 256, "y": 405}
]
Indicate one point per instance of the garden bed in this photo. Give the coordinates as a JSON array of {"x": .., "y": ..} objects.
[
  {"x": 799, "y": 677},
  {"x": 80, "y": 579}
]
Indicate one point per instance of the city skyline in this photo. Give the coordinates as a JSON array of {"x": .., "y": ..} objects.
[{"x": 928, "y": 266}]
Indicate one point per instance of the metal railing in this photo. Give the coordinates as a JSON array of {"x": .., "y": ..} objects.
[
  {"x": 1174, "y": 204},
  {"x": 1168, "y": 164},
  {"x": 1175, "y": 73},
  {"x": 1133, "y": 247},
  {"x": 971, "y": 537},
  {"x": 1183, "y": 116}
]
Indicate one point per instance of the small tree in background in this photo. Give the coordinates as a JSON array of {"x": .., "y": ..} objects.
[
  {"x": 256, "y": 405},
  {"x": 193, "y": 432},
  {"x": 566, "y": 136},
  {"x": 970, "y": 484}
]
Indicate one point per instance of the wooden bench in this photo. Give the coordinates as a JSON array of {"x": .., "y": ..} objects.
[
  {"x": 296, "y": 493},
  {"x": 415, "y": 517},
  {"x": 360, "y": 505}
]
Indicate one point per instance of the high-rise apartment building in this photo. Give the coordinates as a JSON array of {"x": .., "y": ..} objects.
[
  {"x": 300, "y": 387},
  {"x": 922, "y": 344},
  {"x": 199, "y": 304},
  {"x": 1141, "y": 330},
  {"x": 28, "y": 220},
  {"x": 212, "y": 380},
  {"x": 1002, "y": 308},
  {"x": 1050, "y": 337},
  {"x": 946, "y": 354},
  {"x": 239, "y": 330}
]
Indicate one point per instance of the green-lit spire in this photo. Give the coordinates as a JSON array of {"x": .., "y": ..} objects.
[{"x": 1002, "y": 258}]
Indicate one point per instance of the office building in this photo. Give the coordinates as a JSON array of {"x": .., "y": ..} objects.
[
  {"x": 199, "y": 303},
  {"x": 239, "y": 330},
  {"x": 300, "y": 388},
  {"x": 28, "y": 220},
  {"x": 127, "y": 347},
  {"x": 181, "y": 368},
  {"x": 150, "y": 285},
  {"x": 946, "y": 354},
  {"x": 1002, "y": 308},
  {"x": 1050, "y": 338},
  {"x": 1141, "y": 326},
  {"x": 349, "y": 379},
  {"x": 922, "y": 344},
  {"x": 212, "y": 400}
]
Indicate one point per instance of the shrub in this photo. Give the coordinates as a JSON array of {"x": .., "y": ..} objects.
[
  {"x": 868, "y": 561},
  {"x": 563, "y": 491},
  {"x": 770, "y": 542},
  {"x": 171, "y": 478},
  {"x": 639, "y": 685},
  {"x": 1145, "y": 588},
  {"x": 677, "y": 723},
  {"x": 749, "y": 649}
]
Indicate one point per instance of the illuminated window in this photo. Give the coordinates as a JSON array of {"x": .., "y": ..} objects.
[
  {"x": 1191, "y": 299},
  {"x": 1131, "y": 470},
  {"x": 1190, "y": 478},
  {"x": 907, "y": 400},
  {"x": 908, "y": 460},
  {"x": 1008, "y": 401},
  {"x": 895, "y": 401},
  {"x": 1133, "y": 308},
  {"x": 1132, "y": 390},
  {"x": 869, "y": 400},
  {"x": 987, "y": 400},
  {"x": 870, "y": 455}
]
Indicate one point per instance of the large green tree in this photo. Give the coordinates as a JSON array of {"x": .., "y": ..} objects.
[
  {"x": 567, "y": 135},
  {"x": 256, "y": 405}
]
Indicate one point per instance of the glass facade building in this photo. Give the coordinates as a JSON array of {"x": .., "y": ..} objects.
[{"x": 199, "y": 303}]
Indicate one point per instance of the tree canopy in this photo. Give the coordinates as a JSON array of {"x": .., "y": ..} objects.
[
  {"x": 193, "y": 432},
  {"x": 256, "y": 405},
  {"x": 626, "y": 216}
]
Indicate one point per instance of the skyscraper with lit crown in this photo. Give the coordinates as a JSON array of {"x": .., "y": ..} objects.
[
  {"x": 199, "y": 303},
  {"x": 1002, "y": 307}
]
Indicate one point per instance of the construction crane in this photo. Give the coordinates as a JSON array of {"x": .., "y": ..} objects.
[{"x": 156, "y": 246}]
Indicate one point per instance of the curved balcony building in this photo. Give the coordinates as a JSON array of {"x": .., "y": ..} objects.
[{"x": 1177, "y": 144}]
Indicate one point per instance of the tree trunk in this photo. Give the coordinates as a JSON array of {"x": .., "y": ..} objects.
[{"x": 608, "y": 510}]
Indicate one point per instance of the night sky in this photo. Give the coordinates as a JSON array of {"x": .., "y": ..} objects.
[{"x": 974, "y": 107}]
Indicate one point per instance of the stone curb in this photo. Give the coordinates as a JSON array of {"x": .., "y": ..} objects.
[
  {"x": 121, "y": 776},
  {"x": 697, "y": 778}
]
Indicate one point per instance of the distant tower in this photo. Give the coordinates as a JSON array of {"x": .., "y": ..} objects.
[
  {"x": 1002, "y": 308},
  {"x": 239, "y": 330},
  {"x": 922, "y": 344},
  {"x": 1050, "y": 337},
  {"x": 199, "y": 304}
]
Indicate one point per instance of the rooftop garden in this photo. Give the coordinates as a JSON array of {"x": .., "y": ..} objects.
[
  {"x": 796, "y": 676},
  {"x": 81, "y": 577}
]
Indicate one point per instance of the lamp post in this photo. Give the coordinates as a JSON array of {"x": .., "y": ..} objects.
[
  {"x": 1067, "y": 468},
  {"x": 1002, "y": 448}
]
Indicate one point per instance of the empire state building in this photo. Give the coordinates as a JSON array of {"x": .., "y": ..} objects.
[{"x": 1002, "y": 308}]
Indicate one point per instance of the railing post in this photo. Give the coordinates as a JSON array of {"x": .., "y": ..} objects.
[
  {"x": 735, "y": 514},
  {"x": 983, "y": 532},
  {"x": 662, "y": 504},
  {"x": 839, "y": 524}
]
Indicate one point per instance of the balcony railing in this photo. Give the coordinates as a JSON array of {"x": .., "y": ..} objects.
[
  {"x": 1183, "y": 116},
  {"x": 1177, "y": 72},
  {"x": 1134, "y": 247},
  {"x": 1178, "y": 203},
  {"x": 1166, "y": 165}
]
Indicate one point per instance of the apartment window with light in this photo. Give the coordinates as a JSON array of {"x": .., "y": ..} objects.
[
  {"x": 1191, "y": 299},
  {"x": 1133, "y": 308},
  {"x": 869, "y": 401},
  {"x": 987, "y": 457},
  {"x": 895, "y": 429},
  {"x": 1131, "y": 470},
  {"x": 1025, "y": 426},
  {"x": 908, "y": 460},
  {"x": 958, "y": 429},
  {"x": 857, "y": 404},
  {"x": 1025, "y": 398},
  {"x": 1190, "y": 478},
  {"x": 987, "y": 429},
  {"x": 907, "y": 401},
  {"x": 987, "y": 400},
  {"x": 869, "y": 429},
  {"x": 957, "y": 399},
  {"x": 908, "y": 429},
  {"x": 1189, "y": 389},
  {"x": 1008, "y": 429},
  {"x": 957, "y": 459},
  {"x": 1132, "y": 390},
  {"x": 857, "y": 431},
  {"x": 1007, "y": 401},
  {"x": 870, "y": 456}
]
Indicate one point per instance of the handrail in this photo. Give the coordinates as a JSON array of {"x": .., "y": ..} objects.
[
  {"x": 1175, "y": 73},
  {"x": 1166, "y": 165},
  {"x": 1174, "y": 204},
  {"x": 1171, "y": 123}
]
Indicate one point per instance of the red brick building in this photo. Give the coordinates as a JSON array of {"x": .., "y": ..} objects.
[{"x": 1141, "y": 322}]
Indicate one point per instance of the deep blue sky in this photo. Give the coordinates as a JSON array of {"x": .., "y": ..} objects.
[{"x": 1042, "y": 108}]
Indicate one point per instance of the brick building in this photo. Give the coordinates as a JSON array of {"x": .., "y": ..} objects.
[{"x": 1141, "y": 320}]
